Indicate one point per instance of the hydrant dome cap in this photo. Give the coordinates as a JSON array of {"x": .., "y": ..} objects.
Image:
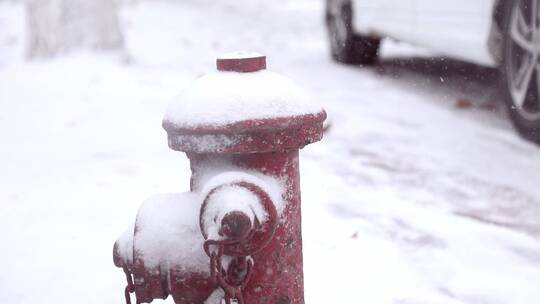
[
  {"x": 243, "y": 108},
  {"x": 223, "y": 98}
]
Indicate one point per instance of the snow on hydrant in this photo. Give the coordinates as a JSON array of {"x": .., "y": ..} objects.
[{"x": 236, "y": 236}]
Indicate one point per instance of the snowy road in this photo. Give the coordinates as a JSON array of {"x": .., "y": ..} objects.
[{"x": 408, "y": 199}]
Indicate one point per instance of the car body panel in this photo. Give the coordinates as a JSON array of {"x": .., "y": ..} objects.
[
  {"x": 457, "y": 28},
  {"x": 384, "y": 17}
]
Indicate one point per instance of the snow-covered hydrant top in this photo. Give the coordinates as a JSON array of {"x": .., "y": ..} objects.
[{"x": 221, "y": 111}]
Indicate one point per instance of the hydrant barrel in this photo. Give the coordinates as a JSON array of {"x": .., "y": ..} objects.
[{"x": 263, "y": 142}]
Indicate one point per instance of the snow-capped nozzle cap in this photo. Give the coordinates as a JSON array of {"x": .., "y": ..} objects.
[{"x": 241, "y": 62}]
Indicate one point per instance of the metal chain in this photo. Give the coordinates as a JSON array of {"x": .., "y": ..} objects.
[
  {"x": 235, "y": 278},
  {"x": 233, "y": 281},
  {"x": 130, "y": 287}
]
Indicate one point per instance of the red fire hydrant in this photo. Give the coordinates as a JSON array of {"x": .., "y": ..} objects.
[{"x": 237, "y": 235}]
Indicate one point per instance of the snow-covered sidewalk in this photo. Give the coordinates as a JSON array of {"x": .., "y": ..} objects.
[{"x": 408, "y": 199}]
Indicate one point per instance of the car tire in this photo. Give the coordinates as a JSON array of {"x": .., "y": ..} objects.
[
  {"x": 345, "y": 45},
  {"x": 520, "y": 68}
]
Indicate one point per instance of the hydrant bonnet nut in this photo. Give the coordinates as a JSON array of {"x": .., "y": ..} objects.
[{"x": 241, "y": 62}]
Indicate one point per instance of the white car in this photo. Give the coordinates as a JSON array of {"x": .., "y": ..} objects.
[{"x": 498, "y": 33}]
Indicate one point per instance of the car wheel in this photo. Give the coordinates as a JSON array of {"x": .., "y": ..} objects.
[
  {"x": 521, "y": 66},
  {"x": 345, "y": 45}
]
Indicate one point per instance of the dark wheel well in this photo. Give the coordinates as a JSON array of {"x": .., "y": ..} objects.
[
  {"x": 498, "y": 12},
  {"x": 496, "y": 40}
]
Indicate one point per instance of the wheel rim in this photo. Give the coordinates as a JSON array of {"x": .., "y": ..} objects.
[{"x": 523, "y": 59}]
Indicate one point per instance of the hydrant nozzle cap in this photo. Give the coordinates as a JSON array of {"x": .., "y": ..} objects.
[{"x": 241, "y": 62}]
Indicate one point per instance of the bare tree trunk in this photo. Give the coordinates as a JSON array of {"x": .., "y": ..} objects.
[{"x": 57, "y": 26}]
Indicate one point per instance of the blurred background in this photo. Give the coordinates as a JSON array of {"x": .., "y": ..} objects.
[{"x": 422, "y": 191}]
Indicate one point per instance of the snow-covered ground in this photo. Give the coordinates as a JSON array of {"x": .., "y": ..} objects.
[{"x": 408, "y": 199}]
